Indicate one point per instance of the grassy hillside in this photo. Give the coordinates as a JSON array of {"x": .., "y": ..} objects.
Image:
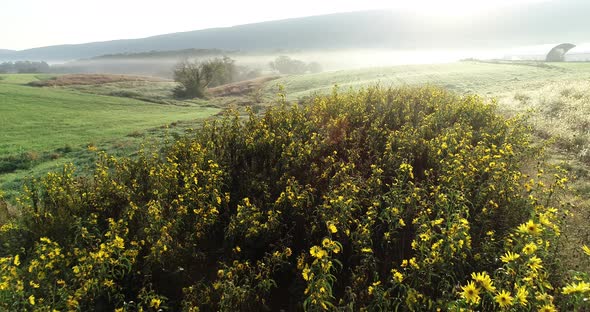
[
  {"x": 47, "y": 124},
  {"x": 463, "y": 77},
  {"x": 45, "y": 119}
]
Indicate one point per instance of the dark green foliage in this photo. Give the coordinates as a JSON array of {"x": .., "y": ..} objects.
[{"x": 195, "y": 77}]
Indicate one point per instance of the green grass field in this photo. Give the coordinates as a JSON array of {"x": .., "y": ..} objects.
[
  {"x": 462, "y": 77},
  {"x": 44, "y": 119},
  {"x": 21, "y": 79},
  {"x": 47, "y": 125}
]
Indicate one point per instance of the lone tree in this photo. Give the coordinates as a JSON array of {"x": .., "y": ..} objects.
[{"x": 194, "y": 77}]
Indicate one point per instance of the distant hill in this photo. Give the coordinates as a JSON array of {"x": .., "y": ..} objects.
[
  {"x": 538, "y": 23},
  {"x": 168, "y": 54}
]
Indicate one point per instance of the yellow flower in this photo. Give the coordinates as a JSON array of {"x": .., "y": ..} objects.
[
  {"x": 547, "y": 308},
  {"x": 32, "y": 300},
  {"x": 535, "y": 263},
  {"x": 397, "y": 276},
  {"x": 118, "y": 242},
  {"x": 155, "y": 303},
  {"x": 108, "y": 283},
  {"x": 401, "y": 222},
  {"x": 543, "y": 297},
  {"x": 336, "y": 248},
  {"x": 529, "y": 228},
  {"x": 504, "y": 299},
  {"x": 72, "y": 303},
  {"x": 471, "y": 293},
  {"x": 306, "y": 274},
  {"x": 509, "y": 256},
  {"x": 317, "y": 252},
  {"x": 372, "y": 287},
  {"x": 484, "y": 280},
  {"x": 586, "y": 250},
  {"x": 521, "y": 295},
  {"x": 332, "y": 228},
  {"x": 580, "y": 287},
  {"x": 17, "y": 260},
  {"x": 367, "y": 250},
  {"x": 529, "y": 248}
]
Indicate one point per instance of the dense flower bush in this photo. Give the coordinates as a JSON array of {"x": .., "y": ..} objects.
[{"x": 377, "y": 200}]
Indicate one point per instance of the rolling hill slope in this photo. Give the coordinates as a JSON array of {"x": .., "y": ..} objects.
[{"x": 42, "y": 119}]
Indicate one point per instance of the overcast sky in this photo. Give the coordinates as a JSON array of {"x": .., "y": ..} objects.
[{"x": 36, "y": 23}]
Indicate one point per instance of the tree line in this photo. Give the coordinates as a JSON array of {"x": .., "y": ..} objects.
[{"x": 24, "y": 67}]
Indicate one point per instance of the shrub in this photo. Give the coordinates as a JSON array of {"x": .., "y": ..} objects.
[
  {"x": 195, "y": 77},
  {"x": 286, "y": 65},
  {"x": 12, "y": 163},
  {"x": 381, "y": 199},
  {"x": 125, "y": 93}
]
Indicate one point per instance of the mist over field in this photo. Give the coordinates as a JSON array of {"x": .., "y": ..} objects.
[{"x": 330, "y": 60}]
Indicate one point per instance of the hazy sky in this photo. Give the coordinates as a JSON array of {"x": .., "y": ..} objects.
[{"x": 35, "y": 23}]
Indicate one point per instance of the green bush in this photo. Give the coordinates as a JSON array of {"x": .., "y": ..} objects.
[
  {"x": 380, "y": 199},
  {"x": 193, "y": 78}
]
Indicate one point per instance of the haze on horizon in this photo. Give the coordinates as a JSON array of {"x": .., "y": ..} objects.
[{"x": 71, "y": 22}]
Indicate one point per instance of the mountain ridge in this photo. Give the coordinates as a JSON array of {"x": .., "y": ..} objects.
[{"x": 540, "y": 23}]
